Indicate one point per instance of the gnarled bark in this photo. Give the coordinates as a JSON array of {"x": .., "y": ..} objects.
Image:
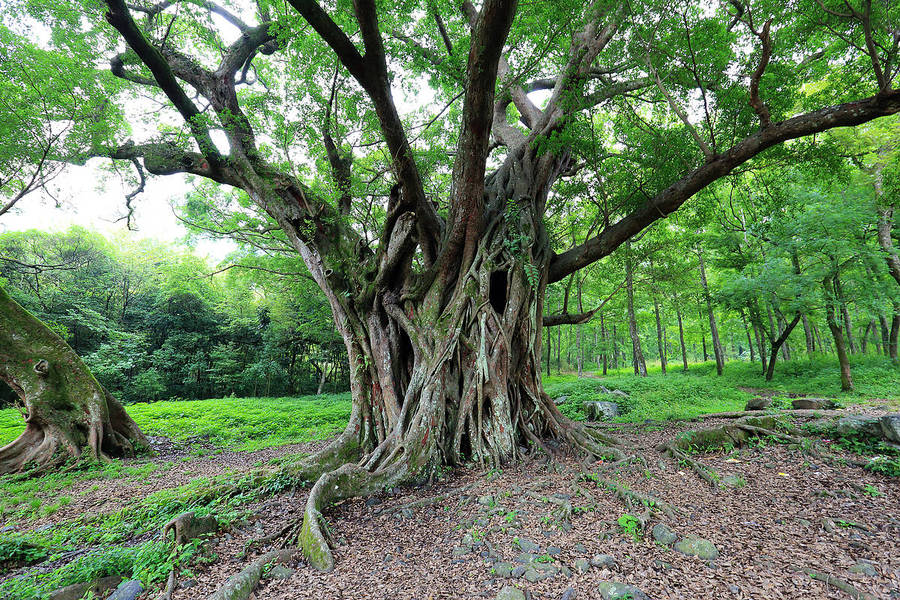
[{"x": 67, "y": 412}]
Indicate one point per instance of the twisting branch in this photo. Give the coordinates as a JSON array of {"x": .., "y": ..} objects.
[
  {"x": 120, "y": 18},
  {"x": 130, "y": 196},
  {"x": 761, "y": 109},
  {"x": 212, "y": 7},
  {"x": 704, "y": 147},
  {"x": 670, "y": 198}
]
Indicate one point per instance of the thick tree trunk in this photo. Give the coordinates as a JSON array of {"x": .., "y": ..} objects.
[
  {"x": 637, "y": 355},
  {"x": 67, "y": 412},
  {"x": 444, "y": 373},
  {"x": 837, "y": 334}
]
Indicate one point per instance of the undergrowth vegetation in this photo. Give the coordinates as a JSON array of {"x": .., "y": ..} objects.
[{"x": 680, "y": 395}]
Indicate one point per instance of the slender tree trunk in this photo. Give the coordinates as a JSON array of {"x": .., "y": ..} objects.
[
  {"x": 845, "y": 314},
  {"x": 836, "y": 333},
  {"x": 749, "y": 337},
  {"x": 615, "y": 347},
  {"x": 822, "y": 347},
  {"x": 885, "y": 335},
  {"x": 659, "y": 336},
  {"x": 684, "y": 358},
  {"x": 808, "y": 335},
  {"x": 640, "y": 366},
  {"x": 603, "y": 336},
  {"x": 776, "y": 345},
  {"x": 713, "y": 329},
  {"x": 67, "y": 412}
]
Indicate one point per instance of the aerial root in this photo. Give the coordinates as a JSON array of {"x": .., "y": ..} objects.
[{"x": 241, "y": 586}]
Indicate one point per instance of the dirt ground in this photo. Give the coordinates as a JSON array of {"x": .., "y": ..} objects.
[
  {"x": 788, "y": 513},
  {"x": 766, "y": 532}
]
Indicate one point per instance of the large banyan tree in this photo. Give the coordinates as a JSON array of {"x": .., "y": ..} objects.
[{"x": 410, "y": 153}]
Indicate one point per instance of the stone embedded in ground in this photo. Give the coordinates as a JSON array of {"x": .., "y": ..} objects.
[
  {"x": 890, "y": 428},
  {"x": 733, "y": 481},
  {"x": 582, "y": 565},
  {"x": 695, "y": 546},
  {"x": 553, "y": 551},
  {"x": 663, "y": 535},
  {"x": 510, "y": 593},
  {"x": 855, "y": 424},
  {"x": 661, "y": 565},
  {"x": 569, "y": 594},
  {"x": 560, "y": 400},
  {"x": 519, "y": 571},
  {"x": 597, "y": 410},
  {"x": 579, "y": 548},
  {"x": 864, "y": 567},
  {"x": 525, "y": 558},
  {"x": 603, "y": 560},
  {"x": 758, "y": 403},
  {"x": 612, "y": 590},
  {"x": 811, "y": 403},
  {"x": 76, "y": 591},
  {"x": 280, "y": 572},
  {"x": 128, "y": 590},
  {"x": 461, "y": 551},
  {"x": 526, "y": 545},
  {"x": 502, "y": 569}
]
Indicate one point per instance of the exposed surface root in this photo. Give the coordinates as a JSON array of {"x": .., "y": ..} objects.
[
  {"x": 839, "y": 584},
  {"x": 707, "y": 473},
  {"x": 632, "y": 498},
  {"x": 437, "y": 499},
  {"x": 240, "y": 586}
]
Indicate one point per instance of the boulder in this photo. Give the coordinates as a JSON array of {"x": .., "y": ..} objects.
[
  {"x": 612, "y": 590},
  {"x": 663, "y": 535},
  {"x": 758, "y": 403},
  {"x": 582, "y": 565},
  {"x": 603, "y": 560},
  {"x": 695, "y": 546},
  {"x": 812, "y": 403},
  {"x": 857, "y": 424},
  {"x": 598, "y": 410},
  {"x": 890, "y": 428},
  {"x": 128, "y": 590},
  {"x": 76, "y": 591},
  {"x": 510, "y": 593},
  {"x": 864, "y": 567},
  {"x": 560, "y": 400}
]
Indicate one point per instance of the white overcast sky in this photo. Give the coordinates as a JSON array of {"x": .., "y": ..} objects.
[{"x": 95, "y": 199}]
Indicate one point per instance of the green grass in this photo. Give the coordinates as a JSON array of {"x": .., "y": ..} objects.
[
  {"x": 680, "y": 395},
  {"x": 235, "y": 423}
]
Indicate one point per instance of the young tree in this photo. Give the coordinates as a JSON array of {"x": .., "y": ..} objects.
[{"x": 438, "y": 293}]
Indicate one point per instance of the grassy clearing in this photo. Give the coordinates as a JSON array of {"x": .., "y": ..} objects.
[
  {"x": 680, "y": 395},
  {"x": 236, "y": 423}
]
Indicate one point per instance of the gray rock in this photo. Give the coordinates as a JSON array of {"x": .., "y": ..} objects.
[
  {"x": 579, "y": 548},
  {"x": 758, "y": 403},
  {"x": 811, "y": 403},
  {"x": 187, "y": 584},
  {"x": 535, "y": 575},
  {"x": 612, "y": 590},
  {"x": 857, "y": 424},
  {"x": 281, "y": 572},
  {"x": 510, "y": 593},
  {"x": 553, "y": 551},
  {"x": 461, "y": 551},
  {"x": 864, "y": 567},
  {"x": 598, "y": 410},
  {"x": 560, "y": 400},
  {"x": 582, "y": 565},
  {"x": 519, "y": 571},
  {"x": 77, "y": 590},
  {"x": 526, "y": 558},
  {"x": 604, "y": 560},
  {"x": 663, "y": 535},
  {"x": 890, "y": 428},
  {"x": 527, "y": 545},
  {"x": 569, "y": 594},
  {"x": 661, "y": 565},
  {"x": 128, "y": 590},
  {"x": 734, "y": 481},
  {"x": 486, "y": 500},
  {"x": 695, "y": 546},
  {"x": 502, "y": 569},
  {"x": 373, "y": 501}
]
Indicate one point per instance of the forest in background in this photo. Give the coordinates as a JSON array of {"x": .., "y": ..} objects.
[{"x": 792, "y": 260}]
